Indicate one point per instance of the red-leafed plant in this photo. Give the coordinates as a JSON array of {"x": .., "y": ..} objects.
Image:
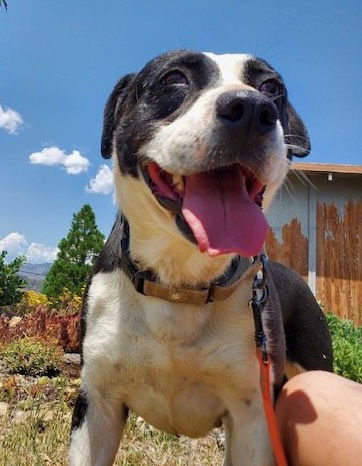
[{"x": 45, "y": 324}]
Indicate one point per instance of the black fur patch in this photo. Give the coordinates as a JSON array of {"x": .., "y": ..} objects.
[
  {"x": 139, "y": 103},
  {"x": 258, "y": 71},
  {"x": 115, "y": 100},
  {"x": 109, "y": 258},
  {"x": 307, "y": 335},
  {"x": 273, "y": 326},
  {"x": 83, "y": 319},
  {"x": 79, "y": 412}
]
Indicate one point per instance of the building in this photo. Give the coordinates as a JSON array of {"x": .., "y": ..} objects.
[{"x": 316, "y": 228}]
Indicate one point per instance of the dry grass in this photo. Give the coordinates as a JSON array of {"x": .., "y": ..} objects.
[
  {"x": 143, "y": 445},
  {"x": 38, "y": 434},
  {"x": 38, "y": 439}
]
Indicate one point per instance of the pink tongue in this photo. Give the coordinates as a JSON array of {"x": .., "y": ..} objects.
[{"x": 221, "y": 214}]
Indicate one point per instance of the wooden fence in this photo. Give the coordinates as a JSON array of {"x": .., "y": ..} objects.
[{"x": 338, "y": 256}]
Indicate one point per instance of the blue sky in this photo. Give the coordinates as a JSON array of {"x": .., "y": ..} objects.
[{"x": 60, "y": 59}]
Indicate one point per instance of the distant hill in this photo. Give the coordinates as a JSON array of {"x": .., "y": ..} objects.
[{"x": 34, "y": 274}]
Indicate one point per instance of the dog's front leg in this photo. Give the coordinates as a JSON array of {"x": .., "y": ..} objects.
[
  {"x": 246, "y": 437},
  {"x": 97, "y": 426}
]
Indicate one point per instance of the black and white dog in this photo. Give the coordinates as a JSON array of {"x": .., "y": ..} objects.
[{"x": 200, "y": 142}]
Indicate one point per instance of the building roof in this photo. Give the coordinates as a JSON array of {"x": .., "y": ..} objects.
[{"x": 327, "y": 168}]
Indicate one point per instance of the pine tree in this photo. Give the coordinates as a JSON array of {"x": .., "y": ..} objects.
[
  {"x": 11, "y": 285},
  {"x": 76, "y": 255}
]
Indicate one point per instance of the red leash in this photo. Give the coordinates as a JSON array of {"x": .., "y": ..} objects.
[
  {"x": 257, "y": 304},
  {"x": 269, "y": 410}
]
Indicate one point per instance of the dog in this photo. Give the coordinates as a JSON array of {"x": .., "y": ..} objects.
[{"x": 200, "y": 144}]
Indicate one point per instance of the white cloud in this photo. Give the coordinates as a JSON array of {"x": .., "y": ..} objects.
[
  {"x": 48, "y": 156},
  {"x": 102, "y": 183},
  {"x": 16, "y": 244},
  {"x": 74, "y": 163},
  {"x": 39, "y": 253},
  {"x": 10, "y": 120}
]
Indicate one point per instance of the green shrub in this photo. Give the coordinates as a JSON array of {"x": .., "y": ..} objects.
[
  {"x": 11, "y": 285},
  {"x": 347, "y": 347},
  {"x": 30, "y": 356}
]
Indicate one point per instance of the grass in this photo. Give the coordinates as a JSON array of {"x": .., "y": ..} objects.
[
  {"x": 39, "y": 435},
  {"x": 39, "y": 439},
  {"x": 347, "y": 347}
]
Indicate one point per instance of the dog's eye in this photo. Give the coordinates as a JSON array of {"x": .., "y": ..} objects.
[
  {"x": 174, "y": 77},
  {"x": 271, "y": 88}
]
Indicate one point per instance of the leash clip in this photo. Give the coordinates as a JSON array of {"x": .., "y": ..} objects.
[
  {"x": 260, "y": 294},
  {"x": 259, "y": 281}
]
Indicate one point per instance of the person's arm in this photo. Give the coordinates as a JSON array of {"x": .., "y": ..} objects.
[{"x": 320, "y": 420}]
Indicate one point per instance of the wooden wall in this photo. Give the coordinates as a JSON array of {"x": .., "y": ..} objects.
[
  {"x": 339, "y": 259},
  {"x": 292, "y": 250},
  {"x": 338, "y": 254}
]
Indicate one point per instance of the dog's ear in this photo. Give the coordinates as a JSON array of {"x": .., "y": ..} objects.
[
  {"x": 115, "y": 100},
  {"x": 297, "y": 136}
]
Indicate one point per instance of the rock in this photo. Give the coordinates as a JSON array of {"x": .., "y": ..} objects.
[
  {"x": 20, "y": 416},
  {"x": 140, "y": 421},
  {"x": 4, "y": 409},
  {"x": 219, "y": 436},
  {"x": 14, "y": 321},
  {"x": 71, "y": 358}
]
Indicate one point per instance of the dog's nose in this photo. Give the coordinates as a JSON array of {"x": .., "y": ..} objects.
[{"x": 249, "y": 110}]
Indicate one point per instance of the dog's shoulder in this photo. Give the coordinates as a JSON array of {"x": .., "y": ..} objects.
[
  {"x": 302, "y": 317},
  {"x": 106, "y": 270}
]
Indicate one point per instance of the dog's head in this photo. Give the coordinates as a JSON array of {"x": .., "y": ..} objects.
[{"x": 205, "y": 140}]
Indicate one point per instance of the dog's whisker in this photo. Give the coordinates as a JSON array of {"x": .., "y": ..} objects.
[
  {"x": 303, "y": 178},
  {"x": 275, "y": 44},
  {"x": 288, "y": 185},
  {"x": 286, "y": 162},
  {"x": 277, "y": 97},
  {"x": 294, "y": 147},
  {"x": 293, "y": 136},
  {"x": 299, "y": 174}
]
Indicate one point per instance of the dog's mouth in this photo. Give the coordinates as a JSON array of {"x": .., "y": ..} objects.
[{"x": 222, "y": 208}]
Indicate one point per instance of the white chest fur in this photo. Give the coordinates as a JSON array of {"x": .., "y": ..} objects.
[{"x": 181, "y": 367}]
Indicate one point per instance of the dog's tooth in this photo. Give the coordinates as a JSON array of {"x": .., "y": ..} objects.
[{"x": 178, "y": 183}]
